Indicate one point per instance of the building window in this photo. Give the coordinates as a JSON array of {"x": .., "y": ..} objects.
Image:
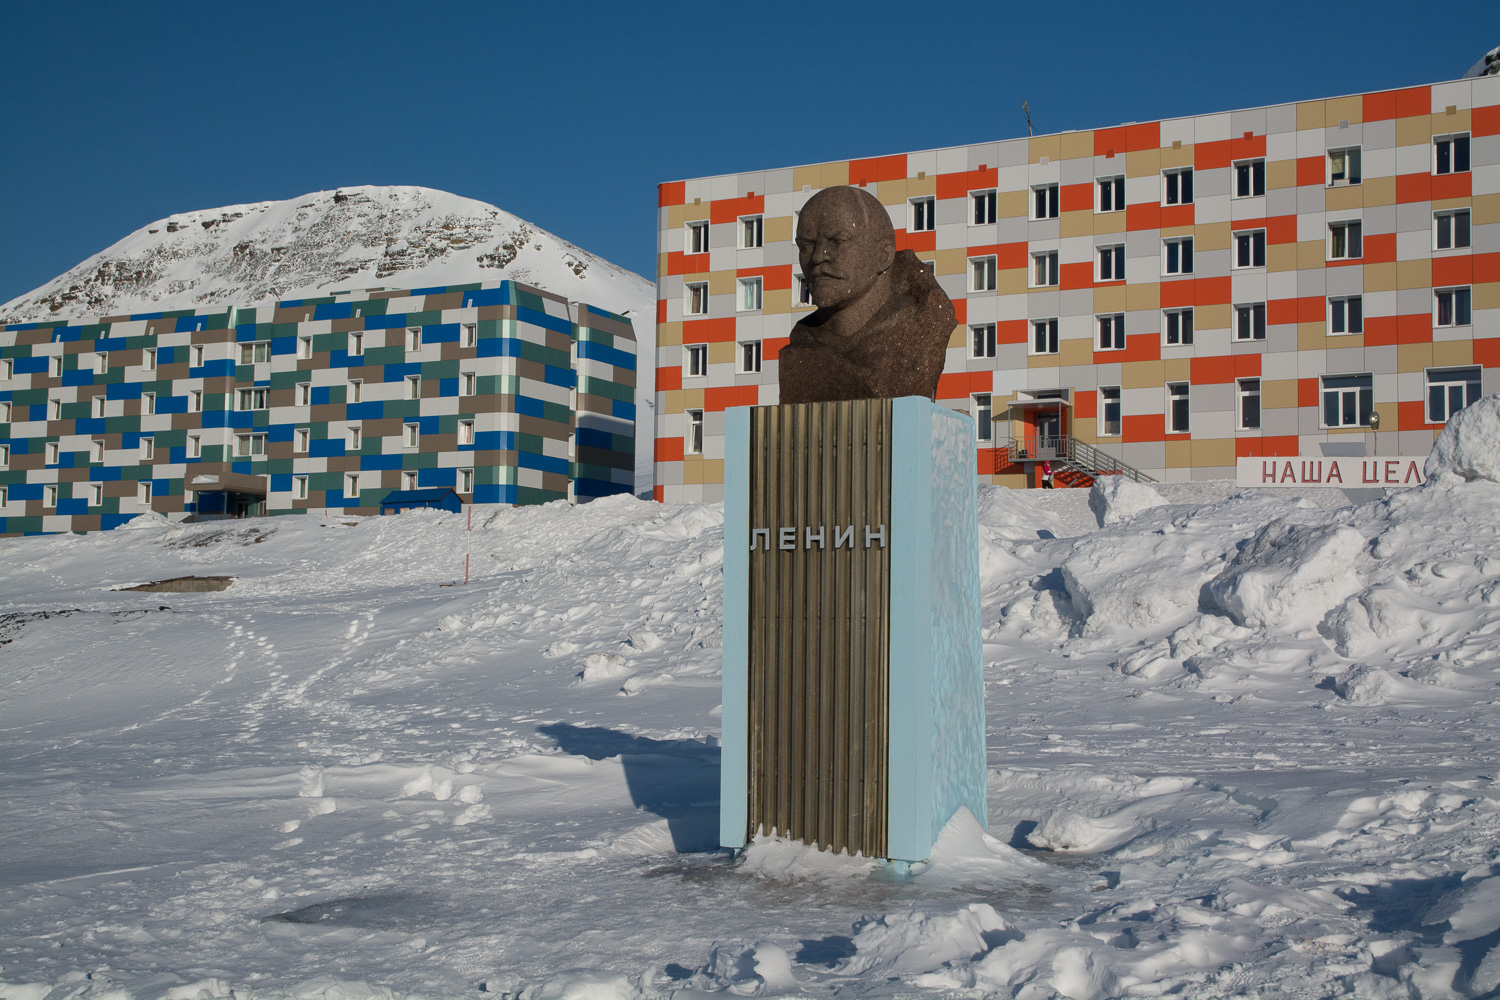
[
  {"x": 923, "y": 213},
  {"x": 411, "y": 435},
  {"x": 982, "y": 340},
  {"x": 101, "y": 363},
  {"x": 255, "y": 352},
  {"x": 1250, "y": 248},
  {"x": 4, "y": 496},
  {"x": 299, "y": 487},
  {"x": 96, "y": 450},
  {"x": 1450, "y": 154},
  {"x": 692, "y": 444},
  {"x": 1249, "y": 178},
  {"x": 304, "y": 393},
  {"x": 355, "y": 437},
  {"x": 197, "y": 356},
  {"x": 7, "y": 369},
  {"x": 1450, "y": 390},
  {"x": 1109, "y": 411},
  {"x": 252, "y": 399},
  {"x": 1451, "y": 307},
  {"x": 356, "y": 344},
  {"x": 983, "y": 410},
  {"x": 49, "y": 495},
  {"x": 304, "y": 347},
  {"x": 351, "y": 486},
  {"x": 4, "y": 456},
  {"x": 749, "y": 357},
  {"x": 470, "y": 335},
  {"x": 981, "y": 274},
  {"x": 1044, "y": 336},
  {"x": 1344, "y": 241},
  {"x": 1250, "y": 321},
  {"x": 4, "y": 411},
  {"x": 1343, "y": 167},
  {"x": 96, "y": 494},
  {"x": 356, "y": 390},
  {"x": 467, "y": 383},
  {"x": 982, "y": 207},
  {"x": 413, "y": 387},
  {"x": 302, "y": 438},
  {"x": 195, "y": 446},
  {"x": 1044, "y": 201},
  {"x": 466, "y": 432},
  {"x": 1177, "y": 187},
  {"x": 195, "y": 401},
  {"x": 1177, "y": 327},
  {"x": 1450, "y": 230},
  {"x": 466, "y": 481},
  {"x": 148, "y": 448},
  {"x": 144, "y": 491},
  {"x": 148, "y": 402},
  {"x": 1111, "y": 262},
  {"x": 804, "y": 291},
  {"x": 697, "y": 359},
  {"x": 54, "y": 409},
  {"x": 408, "y": 480},
  {"x": 1347, "y": 400},
  {"x": 98, "y": 406},
  {"x": 413, "y": 338},
  {"x": 697, "y": 237},
  {"x": 752, "y": 232},
  {"x": 1111, "y": 194},
  {"x": 1044, "y": 269},
  {"x": 249, "y": 445},
  {"x": 55, "y": 366},
  {"x": 1247, "y": 390},
  {"x": 1112, "y": 332},
  {"x": 695, "y": 298},
  {"x": 1346, "y": 314},
  {"x": 1177, "y": 255},
  {"x": 750, "y": 294},
  {"x": 1177, "y": 408},
  {"x": 54, "y": 451}
]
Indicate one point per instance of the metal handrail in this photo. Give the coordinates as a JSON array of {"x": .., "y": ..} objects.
[{"x": 1079, "y": 454}]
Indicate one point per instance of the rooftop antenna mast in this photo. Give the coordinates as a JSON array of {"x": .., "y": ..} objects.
[{"x": 1026, "y": 109}]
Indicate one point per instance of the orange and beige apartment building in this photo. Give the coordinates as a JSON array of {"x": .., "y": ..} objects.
[{"x": 1173, "y": 294}]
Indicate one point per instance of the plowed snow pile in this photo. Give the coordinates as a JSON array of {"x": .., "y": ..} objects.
[{"x": 1242, "y": 744}]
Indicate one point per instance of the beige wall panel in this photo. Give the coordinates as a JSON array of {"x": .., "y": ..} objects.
[
  {"x": 1414, "y": 273},
  {"x": 1414, "y": 131},
  {"x": 1078, "y": 223},
  {"x": 668, "y": 334},
  {"x": 1111, "y": 299},
  {"x": 1078, "y": 144},
  {"x": 1177, "y": 156},
  {"x": 1143, "y": 296},
  {"x": 921, "y": 186},
  {"x": 692, "y": 398},
  {"x": 1311, "y": 254},
  {"x": 1281, "y": 174},
  {"x": 1108, "y": 222},
  {"x": 1486, "y": 209},
  {"x": 1049, "y": 146},
  {"x": 1349, "y": 109},
  {"x": 1012, "y": 282},
  {"x": 1340, "y": 199},
  {"x": 1214, "y": 317},
  {"x": 892, "y": 192},
  {"x": 959, "y": 337},
  {"x": 1216, "y": 451},
  {"x": 1014, "y": 481},
  {"x": 1314, "y": 337},
  {"x": 673, "y": 401},
  {"x": 1179, "y": 454},
  {"x": 1281, "y": 257},
  {"x": 1170, "y": 232},
  {"x": 1453, "y": 352},
  {"x": 695, "y": 212},
  {"x": 1443, "y": 204},
  {"x": 692, "y": 470},
  {"x": 1380, "y": 277},
  {"x": 1461, "y": 120},
  {"x": 1310, "y": 115},
  {"x": 1413, "y": 357},
  {"x": 835, "y": 174},
  {"x": 1143, "y": 163},
  {"x": 954, "y": 261},
  {"x": 1076, "y": 352},
  {"x": 1141, "y": 375},
  {"x": 1047, "y": 360},
  {"x": 721, "y": 283},
  {"x": 1487, "y": 295},
  {"x": 775, "y": 301},
  {"x": 807, "y": 177},
  {"x": 1012, "y": 205},
  {"x": 778, "y": 229},
  {"x": 1177, "y": 369},
  {"x": 722, "y": 352},
  {"x": 1378, "y": 191},
  {"x": 1278, "y": 394},
  {"x": 1211, "y": 236}
]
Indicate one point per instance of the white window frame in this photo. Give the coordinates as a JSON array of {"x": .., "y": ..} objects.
[
  {"x": 304, "y": 348},
  {"x": 353, "y": 438},
  {"x": 983, "y": 207},
  {"x": 49, "y": 496},
  {"x": 148, "y": 449},
  {"x": 148, "y": 403},
  {"x": 96, "y": 450},
  {"x": 1471, "y": 391},
  {"x": 1109, "y": 262},
  {"x": 695, "y": 298},
  {"x": 1349, "y": 173},
  {"x": 413, "y": 387},
  {"x": 1446, "y": 227},
  {"x": 1182, "y": 319},
  {"x": 304, "y": 393},
  {"x": 1103, "y": 415},
  {"x": 245, "y": 445},
  {"x": 804, "y": 293},
  {"x": 466, "y": 432},
  {"x": 468, "y": 383},
  {"x": 1109, "y": 194},
  {"x": 4, "y": 411},
  {"x": 4, "y": 456},
  {"x": 1246, "y": 389},
  {"x": 1460, "y": 306},
  {"x": 1249, "y": 322},
  {"x": 982, "y": 406},
  {"x": 470, "y": 334},
  {"x": 356, "y": 391},
  {"x": 144, "y": 492},
  {"x": 1343, "y": 392},
  {"x": 55, "y": 366},
  {"x": 982, "y": 340},
  {"x": 1184, "y": 260},
  {"x": 197, "y": 356},
  {"x": 983, "y": 273},
  {"x": 195, "y": 401},
  {"x": 922, "y": 214},
  {"x": 413, "y": 339},
  {"x": 101, "y": 363},
  {"x": 257, "y": 351},
  {"x": 194, "y": 446},
  {"x": 1349, "y": 232},
  {"x": 1044, "y": 337},
  {"x": 7, "y": 369},
  {"x": 356, "y": 345},
  {"x": 54, "y": 408},
  {"x": 1172, "y": 184},
  {"x": 752, "y": 295},
  {"x": 253, "y": 398},
  {"x": 692, "y": 438},
  {"x": 1347, "y": 311},
  {"x": 1109, "y": 332},
  {"x": 695, "y": 362},
  {"x": 695, "y": 237},
  {"x": 351, "y": 486},
  {"x": 1046, "y": 202},
  {"x": 1248, "y": 179},
  {"x": 408, "y": 480},
  {"x": 98, "y": 407},
  {"x": 752, "y": 232},
  {"x": 1045, "y": 271},
  {"x": 1176, "y": 391},
  {"x": 1458, "y": 149},
  {"x": 1249, "y": 249},
  {"x": 465, "y": 481},
  {"x": 411, "y": 436},
  {"x": 299, "y": 487},
  {"x": 749, "y": 357},
  {"x": 54, "y": 452},
  {"x": 96, "y": 494}
]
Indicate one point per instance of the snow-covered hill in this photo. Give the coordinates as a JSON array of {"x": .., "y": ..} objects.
[{"x": 1242, "y": 743}]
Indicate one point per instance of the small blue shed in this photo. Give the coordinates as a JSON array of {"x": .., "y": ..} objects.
[{"x": 437, "y": 498}]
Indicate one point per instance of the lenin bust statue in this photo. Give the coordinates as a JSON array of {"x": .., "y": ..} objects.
[{"x": 882, "y": 324}]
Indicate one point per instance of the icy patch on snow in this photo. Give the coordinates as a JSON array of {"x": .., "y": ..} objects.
[
  {"x": 1118, "y": 498},
  {"x": 1470, "y": 445}
]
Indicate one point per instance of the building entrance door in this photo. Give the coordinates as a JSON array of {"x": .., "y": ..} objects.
[{"x": 1048, "y": 435}]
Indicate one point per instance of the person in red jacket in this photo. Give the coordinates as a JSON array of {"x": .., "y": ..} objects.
[{"x": 1046, "y": 475}]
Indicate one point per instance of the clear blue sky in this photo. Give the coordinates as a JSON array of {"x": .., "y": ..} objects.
[{"x": 569, "y": 114}]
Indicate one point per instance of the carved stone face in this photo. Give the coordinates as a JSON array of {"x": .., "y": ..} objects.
[{"x": 843, "y": 246}]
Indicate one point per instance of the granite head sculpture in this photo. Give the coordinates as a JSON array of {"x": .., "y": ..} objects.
[{"x": 882, "y": 323}]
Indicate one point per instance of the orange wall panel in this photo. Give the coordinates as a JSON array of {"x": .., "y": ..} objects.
[
  {"x": 1487, "y": 352},
  {"x": 1146, "y": 215},
  {"x": 671, "y": 193},
  {"x": 772, "y": 278},
  {"x": 1310, "y": 171},
  {"x": 1009, "y": 256},
  {"x": 708, "y": 331},
  {"x": 1413, "y": 187},
  {"x": 1211, "y": 155},
  {"x": 1485, "y": 120},
  {"x": 1247, "y": 146},
  {"x": 730, "y": 209},
  {"x": 1452, "y": 270},
  {"x": 1143, "y": 427},
  {"x": 1175, "y": 215},
  {"x": 1282, "y": 228},
  {"x": 958, "y": 185},
  {"x": 1307, "y": 392},
  {"x": 918, "y": 243},
  {"x": 669, "y": 449},
  {"x": 1411, "y": 414},
  {"x": 1086, "y": 404},
  {"x": 877, "y": 169},
  {"x": 725, "y": 397},
  {"x": 1414, "y": 328},
  {"x": 1076, "y": 197},
  {"x": 1452, "y": 186},
  {"x": 1079, "y": 275},
  {"x": 1012, "y": 331},
  {"x": 770, "y": 348},
  {"x": 1212, "y": 371},
  {"x": 1138, "y": 347},
  {"x": 1486, "y": 267},
  {"x": 1380, "y": 331},
  {"x": 668, "y": 379},
  {"x": 1380, "y": 248}
]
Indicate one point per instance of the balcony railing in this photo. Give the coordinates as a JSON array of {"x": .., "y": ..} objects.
[{"x": 1079, "y": 454}]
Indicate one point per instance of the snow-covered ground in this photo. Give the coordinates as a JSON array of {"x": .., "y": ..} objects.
[{"x": 1241, "y": 744}]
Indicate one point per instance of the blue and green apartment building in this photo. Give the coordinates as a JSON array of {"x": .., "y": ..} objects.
[{"x": 503, "y": 392}]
